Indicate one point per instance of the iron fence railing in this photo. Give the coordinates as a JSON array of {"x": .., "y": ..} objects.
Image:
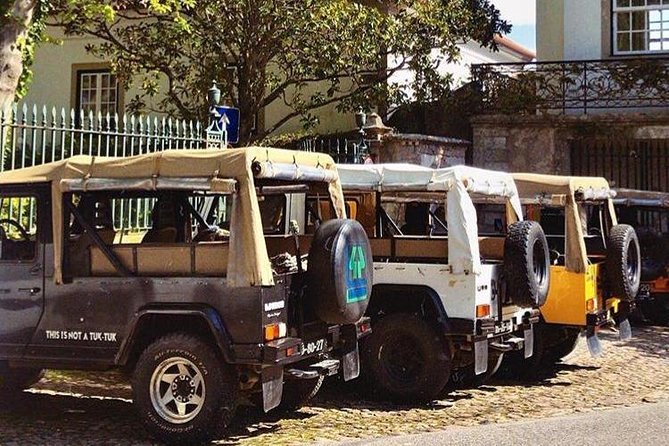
[
  {"x": 31, "y": 136},
  {"x": 341, "y": 148},
  {"x": 576, "y": 86}
]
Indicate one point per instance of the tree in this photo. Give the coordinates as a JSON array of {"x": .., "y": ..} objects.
[
  {"x": 18, "y": 35},
  {"x": 303, "y": 54}
]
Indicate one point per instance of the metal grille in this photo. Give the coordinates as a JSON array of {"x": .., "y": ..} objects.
[
  {"x": 31, "y": 136},
  {"x": 632, "y": 164}
]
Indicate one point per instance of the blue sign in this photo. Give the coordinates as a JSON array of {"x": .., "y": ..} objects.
[{"x": 229, "y": 115}]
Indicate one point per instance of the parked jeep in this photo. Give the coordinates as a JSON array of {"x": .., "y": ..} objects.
[
  {"x": 447, "y": 302},
  {"x": 203, "y": 308},
  {"x": 648, "y": 212},
  {"x": 595, "y": 263}
]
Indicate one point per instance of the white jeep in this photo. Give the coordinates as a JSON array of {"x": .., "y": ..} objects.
[{"x": 447, "y": 303}]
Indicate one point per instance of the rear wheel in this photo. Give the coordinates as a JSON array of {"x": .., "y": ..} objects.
[
  {"x": 466, "y": 378},
  {"x": 405, "y": 358},
  {"x": 657, "y": 311},
  {"x": 551, "y": 343},
  {"x": 298, "y": 392},
  {"x": 183, "y": 390}
]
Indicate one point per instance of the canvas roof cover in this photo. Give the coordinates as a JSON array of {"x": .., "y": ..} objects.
[
  {"x": 457, "y": 182},
  {"x": 643, "y": 198},
  {"x": 532, "y": 185},
  {"x": 212, "y": 164}
]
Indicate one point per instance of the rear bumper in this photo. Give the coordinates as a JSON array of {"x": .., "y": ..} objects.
[{"x": 338, "y": 340}]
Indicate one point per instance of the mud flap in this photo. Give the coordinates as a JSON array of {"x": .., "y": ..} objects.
[
  {"x": 480, "y": 357},
  {"x": 528, "y": 342},
  {"x": 272, "y": 387},
  {"x": 624, "y": 329},
  {"x": 350, "y": 364},
  {"x": 594, "y": 346}
]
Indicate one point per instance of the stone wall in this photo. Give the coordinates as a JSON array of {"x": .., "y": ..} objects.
[
  {"x": 541, "y": 144},
  {"x": 430, "y": 151}
]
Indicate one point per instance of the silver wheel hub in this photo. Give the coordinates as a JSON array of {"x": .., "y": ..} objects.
[{"x": 177, "y": 390}]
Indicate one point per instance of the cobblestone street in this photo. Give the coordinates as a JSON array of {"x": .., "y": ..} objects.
[{"x": 75, "y": 408}]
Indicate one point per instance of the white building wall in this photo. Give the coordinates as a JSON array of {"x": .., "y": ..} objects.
[{"x": 582, "y": 29}]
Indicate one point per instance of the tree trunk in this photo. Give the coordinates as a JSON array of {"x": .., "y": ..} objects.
[{"x": 11, "y": 63}]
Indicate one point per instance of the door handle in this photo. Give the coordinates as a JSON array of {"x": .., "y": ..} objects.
[
  {"x": 36, "y": 269},
  {"x": 34, "y": 290}
]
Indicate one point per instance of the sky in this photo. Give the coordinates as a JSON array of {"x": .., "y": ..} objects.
[{"x": 522, "y": 15}]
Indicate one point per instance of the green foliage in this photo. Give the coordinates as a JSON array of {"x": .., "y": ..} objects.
[{"x": 293, "y": 55}]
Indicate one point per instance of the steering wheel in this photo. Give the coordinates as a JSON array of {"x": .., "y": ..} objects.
[{"x": 24, "y": 234}]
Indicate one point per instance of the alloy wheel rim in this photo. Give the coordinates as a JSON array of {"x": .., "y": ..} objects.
[{"x": 177, "y": 390}]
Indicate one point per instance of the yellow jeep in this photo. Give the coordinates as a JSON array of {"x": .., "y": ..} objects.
[{"x": 595, "y": 262}]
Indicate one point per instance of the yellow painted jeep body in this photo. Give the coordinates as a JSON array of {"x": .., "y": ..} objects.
[{"x": 576, "y": 295}]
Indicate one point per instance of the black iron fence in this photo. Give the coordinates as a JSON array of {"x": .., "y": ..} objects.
[
  {"x": 342, "y": 148},
  {"x": 573, "y": 86}
]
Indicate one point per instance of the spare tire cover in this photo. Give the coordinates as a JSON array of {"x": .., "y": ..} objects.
[
  {"x": 527, "y": 264},
  {"x": 339, "y": 274},
  {"x": 623, "y": 262}
]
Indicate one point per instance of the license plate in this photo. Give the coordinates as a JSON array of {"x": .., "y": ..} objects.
[{"x": 312, "y": 347}]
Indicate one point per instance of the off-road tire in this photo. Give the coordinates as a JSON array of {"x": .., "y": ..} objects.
[
  {"x": 15, "y": 380},
  {"x": 405, "y": 359},
  {"x": 298, "y": 392},
  {"x": 551, "y": 343},
  {"x": 566, "y": 345},
  {"x": 468, "y": 379},
  {"x": 657, "y": 311},
  {"x": 527, "y": 264},
  {"x": 623, "y": 262},
  {"x": 219, "y": 391},
  {"x": 339, "y": 277}
]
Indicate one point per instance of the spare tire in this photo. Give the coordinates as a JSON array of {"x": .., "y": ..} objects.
[
  {"x": 339, "y": 275},
  {"x": 527, "y": 264},
  {"x": 623, "y": 262}
]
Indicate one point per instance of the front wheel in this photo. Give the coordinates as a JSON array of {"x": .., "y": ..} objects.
[
  {"x": 406, "y": 359},
  {"x": 184, "y": 392},
  {"x": 15, "y": 380}
]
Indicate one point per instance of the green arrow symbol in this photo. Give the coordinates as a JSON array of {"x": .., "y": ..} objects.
[{"x": 357, "y": 261}]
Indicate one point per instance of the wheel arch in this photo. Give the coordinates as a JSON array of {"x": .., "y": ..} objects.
[
  {"x": 418, "y": 299},
  {"x": 150, "y": 324}
]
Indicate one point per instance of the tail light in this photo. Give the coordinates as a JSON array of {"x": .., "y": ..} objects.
[
  {"x": 482, "y": 310},
  {"x": 275, "y": 331}
]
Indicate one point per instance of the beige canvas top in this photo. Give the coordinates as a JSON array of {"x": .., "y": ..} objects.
[
  {"x": 532, "y": 184},
  {"x": 642, "y": 198},
  {"x": 563, "y": 191},
  {"x": 248, "y": 260},
  {"x": 457, "y": 183}
]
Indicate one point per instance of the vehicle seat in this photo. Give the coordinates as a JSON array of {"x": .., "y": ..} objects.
[{"x": 164, "y": 223}]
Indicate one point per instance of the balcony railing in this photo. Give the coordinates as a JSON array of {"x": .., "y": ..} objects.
[{"x": 573, "y": 86}]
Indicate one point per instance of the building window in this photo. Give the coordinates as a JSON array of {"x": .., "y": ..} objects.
[
  {"x": 640, "y": 26},
  {"x": 97, "y": 92}
]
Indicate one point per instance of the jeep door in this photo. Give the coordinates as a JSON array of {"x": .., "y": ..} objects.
[{"x": 21, "y": 265}]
